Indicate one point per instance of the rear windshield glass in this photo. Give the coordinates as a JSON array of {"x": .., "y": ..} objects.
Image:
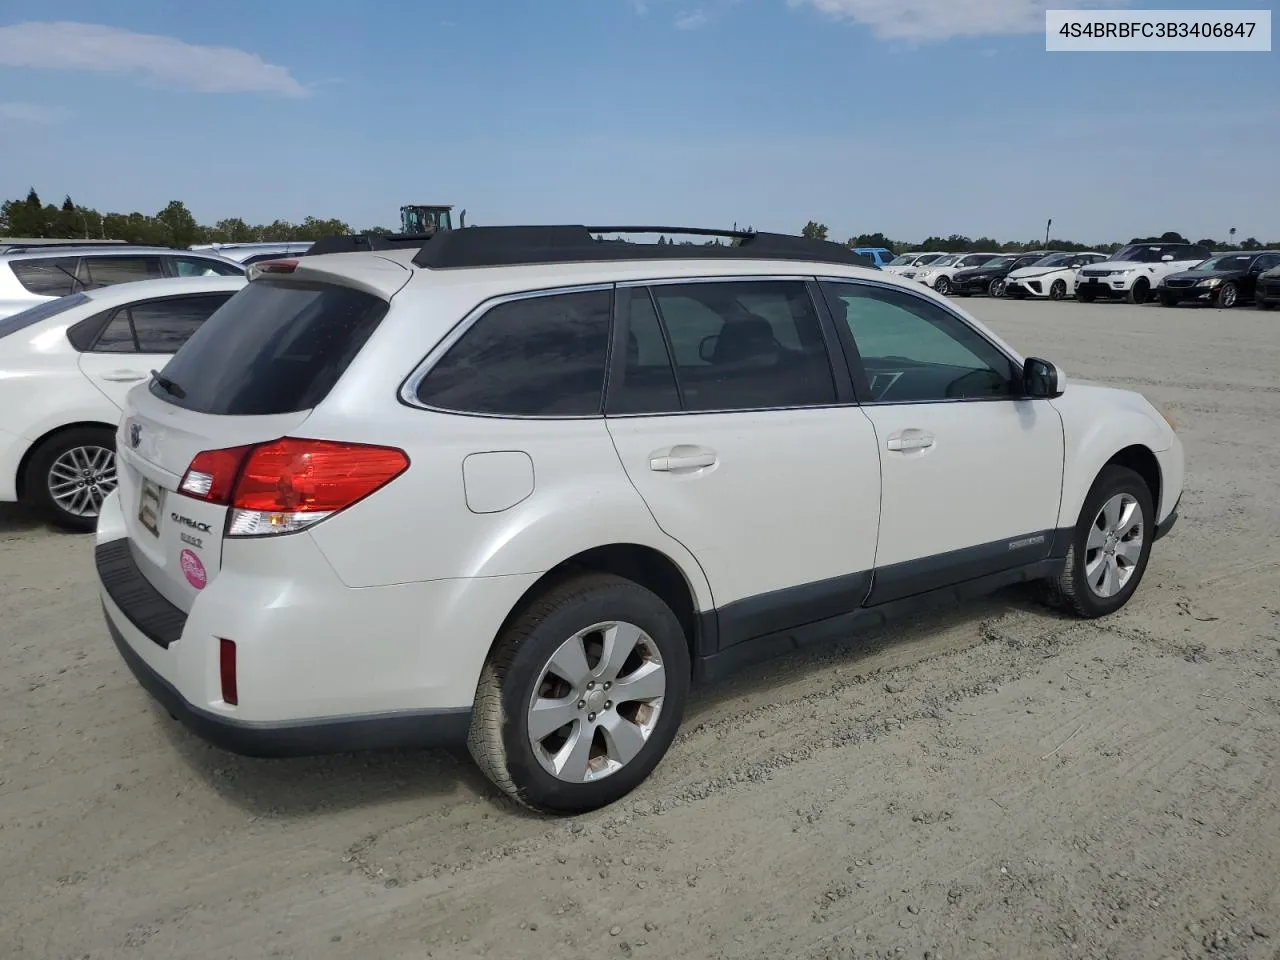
[
  {"x": 41, "y": 311},
  {"x": 272, "y": 348}
]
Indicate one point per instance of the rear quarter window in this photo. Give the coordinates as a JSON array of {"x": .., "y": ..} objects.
[
  {"x": 47, "y": 276},
  {"x": 272, "y": 348}
]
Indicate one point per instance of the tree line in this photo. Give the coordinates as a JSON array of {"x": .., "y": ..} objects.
[{"x": 175, "y": 226}]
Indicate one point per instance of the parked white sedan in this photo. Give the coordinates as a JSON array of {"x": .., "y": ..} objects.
[
  {"x": 1052, "y": 278},
  {"x": 938, "y": 274},
  {"x": 908, "y": 264},
  {"x": 65, "y": 367}
]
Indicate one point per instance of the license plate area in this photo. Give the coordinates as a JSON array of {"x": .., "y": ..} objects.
[{"x": 150, "y": 500}]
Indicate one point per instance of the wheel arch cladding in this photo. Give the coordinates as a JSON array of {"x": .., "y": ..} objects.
[
  {"x": 1137, "y": 457},
  {"x": 646, "y": 566},
  {"x": 25, "y": 463}
]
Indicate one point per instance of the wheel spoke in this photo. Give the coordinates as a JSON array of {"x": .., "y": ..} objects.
[
  {"x": 547, "y": 716},
  {"x": 570, "y": 761},
  {"x": 622, "y": 738},
  {"x": 646, "y": 683},
  {"x": 1097, "y": 538},
  {"x": 1110, "y": 578},
  {"x": 1126, "y": 522},
  {"x": 1129, "y": 551},
  {"x": 1111, "y": 513},
  {"x": 619, "y": 641},
  {"x": 570, "y": 662}
]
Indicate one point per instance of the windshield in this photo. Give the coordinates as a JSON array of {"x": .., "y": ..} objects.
[
  {"x": 41, "y": 311},
  {"x": 928, "y": 258},
  {"x": 1230, "y": 261},
  {"x": 974, "y": 259},
  {"x": 998, "y": 261},
  {"x": 902, "y": 260},
  {"x": 944, "y": 261},
  {"x": 1145, "y": 252}
]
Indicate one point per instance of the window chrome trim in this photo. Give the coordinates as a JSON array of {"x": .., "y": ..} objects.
[
  {"x": 946, "y": 308},
  {"x": 408, "y": 393},
  {"x": 718, "y": 278}
]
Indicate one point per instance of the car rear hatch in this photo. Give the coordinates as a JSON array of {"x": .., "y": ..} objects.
[{"x": 250, "y": 375}]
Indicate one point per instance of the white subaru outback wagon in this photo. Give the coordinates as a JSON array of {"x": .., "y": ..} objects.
[{"x": 519, "y": 486}]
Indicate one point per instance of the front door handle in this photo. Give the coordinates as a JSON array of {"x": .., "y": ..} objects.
[
  {"x": 905, "y": 441},
  {"x": 682, "y": 457},
  {"x": 123, "y": 376}
]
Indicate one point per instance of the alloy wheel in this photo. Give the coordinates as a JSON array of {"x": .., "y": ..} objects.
[
  {"x": 1113, "y": 549},
  {"x": 81, "y": 478},
  {"x": 596, "y": 702}
]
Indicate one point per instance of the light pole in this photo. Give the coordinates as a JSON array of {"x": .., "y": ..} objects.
[
  {"x": 1046, "y": 232},
  {"x": 1232, "y": 235}
]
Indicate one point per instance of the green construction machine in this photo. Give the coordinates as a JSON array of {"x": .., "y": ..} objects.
[{"x": 428, "y": 218}]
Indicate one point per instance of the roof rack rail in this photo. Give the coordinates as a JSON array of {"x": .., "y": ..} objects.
[
  {"x": 569, "y": 243},
  {"x": 364, "y": 242}
]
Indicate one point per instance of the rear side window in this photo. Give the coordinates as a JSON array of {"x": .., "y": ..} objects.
[
  {"x": 47, "y": 276},
  {"x": 108, "y": 271},
  {"x": 41, "y": 311},
  {"x": 150, "y": 326},
  {"x": 536, "y": 356},
  {"x": 203, "y": 267},
  {"x": 272, "y": 348}
]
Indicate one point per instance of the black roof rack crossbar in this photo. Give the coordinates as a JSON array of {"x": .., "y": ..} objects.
[{"x": 569, "y": 243}]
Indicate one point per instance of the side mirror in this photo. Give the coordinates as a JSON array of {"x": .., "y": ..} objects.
[{"x": 1042, "y": 380}]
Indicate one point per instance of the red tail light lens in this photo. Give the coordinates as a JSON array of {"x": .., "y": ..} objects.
[
  {"x": 289, "y": 484},
  {"x": 212, "y": 474}
]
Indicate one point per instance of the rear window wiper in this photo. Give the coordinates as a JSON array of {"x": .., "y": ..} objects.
[{"x": 169, "y": 386}]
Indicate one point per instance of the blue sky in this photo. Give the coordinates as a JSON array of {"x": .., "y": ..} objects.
[{"x": 912, "y": 117}]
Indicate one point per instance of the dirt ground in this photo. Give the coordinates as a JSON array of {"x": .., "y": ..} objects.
[{"x": 993, "y": 781}]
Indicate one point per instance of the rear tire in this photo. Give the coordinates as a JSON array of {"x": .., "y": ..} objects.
[
  {"x": 1103, "y": 570},
  {"x": 69, "y": 475},
  {"x": 524, "y": 680}
]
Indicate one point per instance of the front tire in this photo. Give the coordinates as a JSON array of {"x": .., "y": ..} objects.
[
  {"x": 581, "y": 696},
  {"x": 70, "y": 474},
  {"x": 943, "y": 286},
  {"x": 1139, "y": 292},
  {"x": 1058, "y": 290},
  {"x": 1168, "y": 300},
  {"x": 1228, "y": 295},
  {"x": 1109, "y": 548},
  {"x": 1086, "y": 296}
]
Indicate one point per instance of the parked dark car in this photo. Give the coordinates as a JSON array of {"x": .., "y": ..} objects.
[
  {"x": 1267, "y": 294},
  {"x": 1221, "y": 281},
  {"x": 989, "y": 277}
]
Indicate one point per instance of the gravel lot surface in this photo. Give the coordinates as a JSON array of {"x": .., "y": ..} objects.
[{"x": 993, "y": 781}]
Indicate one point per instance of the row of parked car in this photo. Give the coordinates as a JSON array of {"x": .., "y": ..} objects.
[{"x": 1171, "y": 273}]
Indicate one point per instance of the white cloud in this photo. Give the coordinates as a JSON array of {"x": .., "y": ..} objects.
[
  {"x": 93, "y": 48},
  {"x": 690, "y": 21},
  {"x": 31, "y": 113},
  {"x": 923, "y": 20}
]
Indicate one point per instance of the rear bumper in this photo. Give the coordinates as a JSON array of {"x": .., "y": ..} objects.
[{"x": 424, "y": 728}]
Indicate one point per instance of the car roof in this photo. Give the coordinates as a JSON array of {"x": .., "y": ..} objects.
[
  {"x": 121, "y": 293},
  {"x": 104, "y": 251}
]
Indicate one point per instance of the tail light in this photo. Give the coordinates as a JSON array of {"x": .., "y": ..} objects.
[
  {"x": 270, "y": 266},
  {"x": 289, "y": 484}
]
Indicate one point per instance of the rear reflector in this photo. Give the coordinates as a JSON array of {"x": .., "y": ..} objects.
[
  {"x": 227, "y": 668},
  {"x": 290, "y": 483}
]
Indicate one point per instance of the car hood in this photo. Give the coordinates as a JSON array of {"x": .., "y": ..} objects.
[
  {"x": 1205, "y": 274},
  {"x": 1028, "y": 272}
]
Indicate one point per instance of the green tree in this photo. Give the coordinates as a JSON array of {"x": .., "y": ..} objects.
[
  {"x": 870, "y": 240},
  {"x": 814, "y": 230},
  {"x": 180, "y": 225}
]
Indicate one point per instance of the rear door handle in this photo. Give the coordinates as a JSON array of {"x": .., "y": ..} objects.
[
  {"x": 123, "y": 376},
  {"x": 681, "y": 458},
  {"x": 905, "y": 441}
]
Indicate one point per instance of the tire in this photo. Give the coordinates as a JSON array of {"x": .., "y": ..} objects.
[
  {"x": 1075, "y": 590},
  {"x": 1264, "y": 305},
  {"x": 996, "y": 288},
  {"x": 1086, "y": 296},
  {"x": 80, "y": 465},
  {"x": 521, "y": 666},
  {"x": 1058, "y": 290},
  {"x": 1140, "y": 291},
  {"x": 1168, "y": 300},
  {"x": 1228, "y": 296},
  {"x": 943, "y": 286}
]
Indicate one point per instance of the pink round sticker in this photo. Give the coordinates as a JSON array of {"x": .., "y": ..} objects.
[{"x": 193, "y": 569}]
